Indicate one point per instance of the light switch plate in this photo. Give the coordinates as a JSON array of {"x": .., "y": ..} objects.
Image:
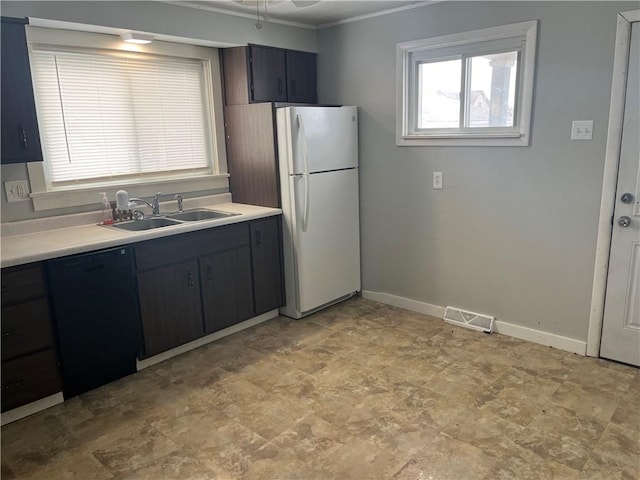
[
  {"x": 437, "y": 180},
  {"x": 582, "y": 130},
  {"x": 16, "y": 191}
]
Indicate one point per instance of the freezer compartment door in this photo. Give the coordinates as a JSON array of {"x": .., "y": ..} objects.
[
  {"x": 327, "y": 253},
  {"x": 322, "y": 138}
]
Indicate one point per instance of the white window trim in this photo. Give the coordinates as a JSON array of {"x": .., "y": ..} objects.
[
  {"x": 44, "y": 199},
  {"x": 527, "y": 30}
]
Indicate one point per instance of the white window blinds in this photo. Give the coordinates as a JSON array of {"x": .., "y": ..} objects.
[{"x": 105, "y": 117}]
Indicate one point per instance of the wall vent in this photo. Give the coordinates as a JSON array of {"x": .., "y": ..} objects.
[{"x": 472, "y": 320}]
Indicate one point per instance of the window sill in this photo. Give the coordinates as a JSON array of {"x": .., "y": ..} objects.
[
  {"x": 90, "y": 195},
  {"x": 462, "y": 140}
]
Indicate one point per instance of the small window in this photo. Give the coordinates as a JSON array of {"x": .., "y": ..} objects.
[{"x": 472, "y": 88}]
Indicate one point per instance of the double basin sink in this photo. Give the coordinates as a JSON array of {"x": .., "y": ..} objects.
[{"x": 169, "y": 219}]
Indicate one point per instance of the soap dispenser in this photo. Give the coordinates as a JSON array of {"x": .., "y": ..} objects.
[{"x": 107, "y": 215}]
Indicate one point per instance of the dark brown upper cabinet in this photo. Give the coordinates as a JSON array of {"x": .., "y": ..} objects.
[
  {"x": 20, "y": 135},
  {"x": 256, "y": 74},
  {"x": 301, "y": 77}
]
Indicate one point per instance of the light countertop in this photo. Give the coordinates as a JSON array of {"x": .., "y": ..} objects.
[{"x": 35, "y": 240}]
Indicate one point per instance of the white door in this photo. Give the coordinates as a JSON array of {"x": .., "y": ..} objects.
[
  {"x": 621, "y": 324},
  {"x": 327, "y": 245},
  {"x": 327, "y": 135}
]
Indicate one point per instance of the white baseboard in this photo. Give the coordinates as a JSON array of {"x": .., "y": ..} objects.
[
  {"x": 174, "y": 352},
  {"x": 504, "y": 328},
  {"x": 543, "y": 338},
  {"x": 406, "y": 303},
  {"x": 31, "y": 408}
]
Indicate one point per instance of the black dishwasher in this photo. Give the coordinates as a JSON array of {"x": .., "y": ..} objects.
[{"x": 95, "y": 306}]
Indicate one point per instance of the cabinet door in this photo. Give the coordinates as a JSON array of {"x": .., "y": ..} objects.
[
  {"x": 301, "y": 77},
  {"x": 170, "y": 306},
  {"x": 20, "y": 136},
  {"x": 23, "y": 283},
  {"x": 266, "y": 252},
  {"x": 251, "y": 153},
  {"x": 227, "y": 293},
  {"x": 235, "y": 67},
  {"x": 267, "y": 74},
  {"x": 26, "y": 328},
  {"x": 29, "y": 378}
]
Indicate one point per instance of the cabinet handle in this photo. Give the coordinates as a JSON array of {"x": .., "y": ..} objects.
[
  {"x": 258, "y": 237},
  {"x": 190, "y": 282},
  {"x": 11, "y": 384},
  {"x": 9, "y": 332},
  {"x": 209, "y": 274},
  {"x": 22, "y": 133},
  {"x": 293, "y": 87},
  {"x": 280, "y": 86}
]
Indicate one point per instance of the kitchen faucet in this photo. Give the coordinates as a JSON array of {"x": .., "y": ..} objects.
[
  {"x": 154, "y": 205},
  {"x": 178, "y": 197}
]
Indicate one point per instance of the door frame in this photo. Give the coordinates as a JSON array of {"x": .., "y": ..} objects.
[{"x": 610, "y": 178}]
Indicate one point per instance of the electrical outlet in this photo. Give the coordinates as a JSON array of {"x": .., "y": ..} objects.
[
  {"x": 17, "y": 191},
  {"x": 582, "y": 130},
  {"x": 437, "y": 180}
]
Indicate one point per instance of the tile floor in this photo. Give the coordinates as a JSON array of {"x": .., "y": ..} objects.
[{"x": 359, "y": 391}]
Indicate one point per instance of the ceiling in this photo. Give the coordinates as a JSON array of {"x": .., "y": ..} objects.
[{"x": 314, "y": 13}]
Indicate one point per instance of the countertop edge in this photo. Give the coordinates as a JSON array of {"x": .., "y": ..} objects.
[{"x": 44, "y": 245}]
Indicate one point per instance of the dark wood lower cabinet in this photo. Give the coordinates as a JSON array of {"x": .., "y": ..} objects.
[
  {"x": 266, "y": 248},
  {"x": 198, "y": 283},
  {"x": 227, "y": 288},
  {"x": 29, "y": 378},
  {"x": 26, "y": 327},
  {"x": 29, "y": 356},
  {"x": 170, "y": 306}
]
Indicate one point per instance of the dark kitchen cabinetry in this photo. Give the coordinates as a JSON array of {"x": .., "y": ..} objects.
[
  {"x": 194, "y": 284},
  {"x": 19, "y": 128},
  {"x": 267, "y": 264},
  {"x": 29, "y": 357},
  {"x": 266, "y": 74},
  {"x": 227, "y": 288},
  {"x": 252, "y": 154},
  {"x": 170, "y": 306},
  {"x": 301, "y": 77}
]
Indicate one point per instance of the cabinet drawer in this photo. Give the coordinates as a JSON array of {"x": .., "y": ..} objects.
[
  {"x": 29, "y": 378},
  {"x": 22, "y": 283},
  {"x": 159, "y": 253},
  {"x": 25, "y": 328}
]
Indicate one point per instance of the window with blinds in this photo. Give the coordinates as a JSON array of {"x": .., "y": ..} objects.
[{"x": 105, "y": 116}]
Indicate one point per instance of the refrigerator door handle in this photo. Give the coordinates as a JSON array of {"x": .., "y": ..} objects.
[{"x": 305, "y": 157}]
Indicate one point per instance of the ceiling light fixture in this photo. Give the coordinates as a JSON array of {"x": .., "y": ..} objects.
[
  {"x": 139, "y": 38},
  {"x": 258, "y": 24}
]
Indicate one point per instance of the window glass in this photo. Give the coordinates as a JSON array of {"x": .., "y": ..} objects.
[
  {"x": 467, "y": 88},
  {"x": 439, "y": 94},
  {"x": 492, "y": 95}
]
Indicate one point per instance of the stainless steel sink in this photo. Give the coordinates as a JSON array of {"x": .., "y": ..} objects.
[
  {"x": 145, "y": 224},
  {"x": 199, "y": 214}
]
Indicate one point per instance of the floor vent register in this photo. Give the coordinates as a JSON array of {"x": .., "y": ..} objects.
[{"x": 472, "y": 320}]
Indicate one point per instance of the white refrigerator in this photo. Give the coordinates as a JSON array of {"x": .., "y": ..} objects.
[{"x": 318, "y": 160}]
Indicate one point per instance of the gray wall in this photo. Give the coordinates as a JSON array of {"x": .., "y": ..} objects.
[
  {"x": 513, "y": 232},
  {"x": 155, "y": 17},
  {"x": 166, "y": 19}
]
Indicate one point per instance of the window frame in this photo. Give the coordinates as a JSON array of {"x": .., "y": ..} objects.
[
  {"x": 519, "y": 37},
  {"x": 45, "y": 197}
]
